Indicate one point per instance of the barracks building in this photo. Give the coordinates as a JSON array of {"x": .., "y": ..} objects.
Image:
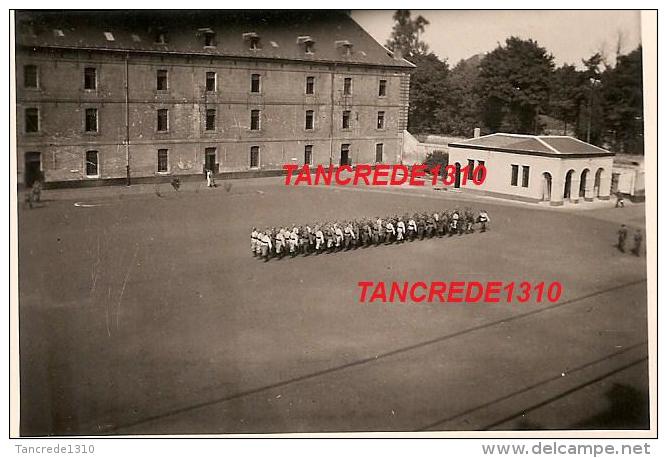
[{"x": 106, "y": 97}]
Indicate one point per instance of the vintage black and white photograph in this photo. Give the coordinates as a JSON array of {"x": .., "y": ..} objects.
[{"x": 331, "y": 221}]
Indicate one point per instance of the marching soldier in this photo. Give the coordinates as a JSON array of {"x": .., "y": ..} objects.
[
  {"x": 400, "y": 231},
  {"x": 280, "y": 243},
  {"x": 454, "y": 223},
  {"x": 469, "y": 220},
  {"x": 266, "y": 245},
  {"x": 390, "y": 232},
  {"x": 412, "y": 229},
  {"x": 319, "y": 240}
]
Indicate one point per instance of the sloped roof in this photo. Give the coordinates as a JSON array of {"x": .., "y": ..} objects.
[
  {"x": 539, "y": 145},
  {"x": 281, "y": 34}
]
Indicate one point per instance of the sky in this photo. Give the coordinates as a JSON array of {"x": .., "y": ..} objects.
[{"x": 569, "y": 36}]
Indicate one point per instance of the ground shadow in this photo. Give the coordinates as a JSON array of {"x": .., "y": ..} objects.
[{"x": 629, "y": 409}]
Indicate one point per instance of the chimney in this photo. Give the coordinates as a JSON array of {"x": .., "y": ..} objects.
[{"x": 476, "y": 132}]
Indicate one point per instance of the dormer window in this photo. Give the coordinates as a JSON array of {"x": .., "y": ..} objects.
[
  {"x": 209, "y": 37},
  {"x": 109, "y": 36},
  {"x": 58, "y": 33},
  {"x": 253, "y": 40},
  {"x": 161, "y": 37},
  {"x": 345, "y": 46},
  {"x": 307, "y": 42}
]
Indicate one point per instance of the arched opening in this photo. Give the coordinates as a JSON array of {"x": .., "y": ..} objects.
[
  {"x": 546, "y": 187},
  {"x": 457, "y": 182},
  {"x": 33, "y": 168},
  {"x": 598, "y": 180},
  {"x": 583, "y": 184},
  {"x": 568, "y": 184}
]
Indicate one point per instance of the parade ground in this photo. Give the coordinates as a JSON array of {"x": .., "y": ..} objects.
[{"x": 145, "y": 313}]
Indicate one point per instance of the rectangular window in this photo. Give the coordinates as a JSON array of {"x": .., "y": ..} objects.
[
  {"x": 90, "y": 78},
  {"x": 310, "y": 84},
  {"x": 309, "y": 119},
  {"x": 380, "y": 119},
  {"x": 92, "y": 164},
  {"x": 254, "y": 119},
  {"x": 346, "y": 119},
  {"x": 211, "y": 82},
  {"x": 308, "y": 154},
  {"x": 345, "y": 154},
  {"x": 162, "y": 80},
  {"x": 480, "y": 164},
  {"x": 32, "y": 120},
  {"x": 209, "y": 39},
  {"x": 382, "y": 88},
  {"x": 515, "y": 174},
  {"x": 379, "y": 150},
  {"x": 210, "y": 119},
  {"x": 162, "y": 120},
  {"x": 91, "y": 120},
  {"x": 347, "y": 86},
  {"x": 471, "y": 168},
  {"x": 525, "y": 176},
  {"x": 162, "y": 160},
  {"x": 254, "y": 156},
  {"x": 255, "y": 83},
  {"x": 30, "y": 76}
]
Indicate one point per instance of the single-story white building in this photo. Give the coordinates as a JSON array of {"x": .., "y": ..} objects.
[{"x": 535, "y": 168}]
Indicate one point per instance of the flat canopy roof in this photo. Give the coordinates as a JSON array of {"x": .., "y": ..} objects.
[{"x": 563, "y": 147}]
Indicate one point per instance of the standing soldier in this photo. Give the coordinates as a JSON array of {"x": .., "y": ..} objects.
[
  {"x": 622, "y": 235},
  {"x": 430, "y": 226},
  {"x": 338, "y": 234},
  {"x": 253, "y": 241},
  {"x": 470, "y": 220},
  {"x": 390, "y": 232},
  {"x": 292, "y": 238},
  {"x": 319, "y": 239},
  {"x": 349, "y": 235},
  {"x": 280, "y": 243},
  {"x": 438, "y": 224},
  {"x": 266, "y": 245},
  {"x": 454, "y": 223},
  {"x": 412, "y": 229},
  {"x": 421, "y": 226},
  {"x": 400, "y": 230},
  {"x": 483, "y": 219},
  {"x": 638, "y": 242}
]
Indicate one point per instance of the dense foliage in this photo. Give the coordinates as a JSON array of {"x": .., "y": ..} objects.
[{"x": 516, "y": 86}]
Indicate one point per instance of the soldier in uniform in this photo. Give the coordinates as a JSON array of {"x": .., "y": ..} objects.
[
  {"x": 483, "y": 219},
  {"x": 319, "y": 239},
  {"x": 266, "y": 245},
  {"x": 469, "y": 220},
  {"x": 638, "y": 242},
  {"x": 349, "y": 236},
  {"x": 400, "y": 230},
  {"x": 412, "y": 229},
  {"x": 454, "y": 223},
  {"x": 622, "y": 235},
  {"x": 294, "y": 241},
  {"x": 253, "y": 241},
  {"x": 390, "y": 232},
  {"x": 430, "y": 226},
  {"x": 421, "y": 226},
  {"x": 280, "y": 243}
]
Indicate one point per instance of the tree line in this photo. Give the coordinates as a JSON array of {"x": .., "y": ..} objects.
[{"x": 517, "y": 88}]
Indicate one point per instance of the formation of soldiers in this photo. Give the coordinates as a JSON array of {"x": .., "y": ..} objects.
[{"x": 334, "y": 236}]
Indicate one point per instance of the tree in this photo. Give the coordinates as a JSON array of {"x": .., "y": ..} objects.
[
  {"x": 622, "y": 104},
  {"x": 404, "y": 36},
  {"x": 513, "y": 86},
  {"x": 460, "y": 113},
  {"x": 567, "y": 95},
  {"x": 428, "y": 89}
]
